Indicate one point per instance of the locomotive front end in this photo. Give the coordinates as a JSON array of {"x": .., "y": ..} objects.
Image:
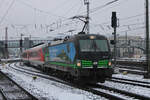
[{"x": 93, "y": 60}]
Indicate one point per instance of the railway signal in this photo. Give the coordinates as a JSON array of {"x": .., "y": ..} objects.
[
  {"x": 21, "y": 44},
  {"x": 6, "y": 43},
  {"x": 114, "y": 25},
  {"x": 114, "y": 20}
]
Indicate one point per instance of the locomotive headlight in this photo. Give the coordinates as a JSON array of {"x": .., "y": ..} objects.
[
  {"x": 92, "y": 37},
  {"x": 109, "y": 63},
  {"x": 79, "y": 64}
]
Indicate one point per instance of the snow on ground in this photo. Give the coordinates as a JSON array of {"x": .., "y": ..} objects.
[
  {"x": 11, "y": 59},
  {"x": 27, "y": 68},
  {"x": 125, "y": 69},
  {"x": 141, "y": 59},
  {"x": 130, "y": 88},
  {"x": 47, "y": 89},
  {"x": 116, "y": 94},
  {"x": 132, "y": 77}
]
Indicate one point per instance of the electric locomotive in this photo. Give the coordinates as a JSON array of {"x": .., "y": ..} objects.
[{"x": 84, "y": 57}]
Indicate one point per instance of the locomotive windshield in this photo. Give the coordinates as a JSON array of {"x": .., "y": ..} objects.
[{"x": 93, "y": 45}]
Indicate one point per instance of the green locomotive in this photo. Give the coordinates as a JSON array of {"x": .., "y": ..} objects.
[{"x": 84, "y": 57}]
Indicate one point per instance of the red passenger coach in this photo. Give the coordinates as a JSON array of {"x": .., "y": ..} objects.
[{"x": 33, "y": 56}]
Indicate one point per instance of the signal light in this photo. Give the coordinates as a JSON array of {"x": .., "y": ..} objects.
[{"x": 114, "y": 20}]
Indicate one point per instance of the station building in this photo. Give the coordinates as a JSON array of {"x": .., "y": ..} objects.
[{"x": 131, "y": 46}]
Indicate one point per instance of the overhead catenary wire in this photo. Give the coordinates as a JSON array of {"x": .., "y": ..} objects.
[
  {"x": 137, "y": 28},
  {"x": 102, "y": 6},
  {"x": 52, "y": 15},
  {"x": 129, "y": 30},
  {"x": 57, "y": 7},
  {"x": 123, "y": 25},
  {"x": 106, "y": 28},
  {"x": 36, "y": 9},
  {"x": 1, "y": 3},
  {"x": 42, "y": 11},
  {"x": 79, "y": 7},
  {"x": 71, "y": 9},
  {"x": 129, "y": 27},
  {"x": 7, "y": 11},
  {"x": 39, "y": 10},
  {"x": 126, "y": 18}
]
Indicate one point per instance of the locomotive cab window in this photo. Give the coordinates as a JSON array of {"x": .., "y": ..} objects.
[{"x": 93, "y": 45}]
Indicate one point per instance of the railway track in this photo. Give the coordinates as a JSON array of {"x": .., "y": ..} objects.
[
  {"x": 108, "y": 95},
  {"x": 27, "y": 69},
  {"x": 10, "y": 90},
  {"x": 132, "y": 63},
  {"x": 131, "y": 69},
  {"x": 127, "y": 94},
  {"x": 95, "y": 89},
  {"x": 38, "y": 74},
  {"x": 130, "y": 82},
  {"x": 86, "y": 88}
]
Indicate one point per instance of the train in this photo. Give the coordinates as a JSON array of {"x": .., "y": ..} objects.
[{"x": 82, "y": 57}]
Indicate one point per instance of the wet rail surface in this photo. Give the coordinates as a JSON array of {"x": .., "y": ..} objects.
[{"x": 10, "y": 90}]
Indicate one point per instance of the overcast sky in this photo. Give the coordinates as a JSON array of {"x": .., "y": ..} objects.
[{"x": 47, "y": 18}]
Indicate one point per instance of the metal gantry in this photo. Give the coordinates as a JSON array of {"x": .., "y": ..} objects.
[{"x": 86, "y": 2}]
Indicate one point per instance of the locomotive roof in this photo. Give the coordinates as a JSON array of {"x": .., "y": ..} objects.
[
  {"x": 85, "y": 36},
  {"x": 38, "y": 47}
]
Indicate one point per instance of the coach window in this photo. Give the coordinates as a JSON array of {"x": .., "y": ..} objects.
[
  {"x": 30, "y": 54},
  {"x": 25, "y": 55},
  {"x": 34, "y": 54}
]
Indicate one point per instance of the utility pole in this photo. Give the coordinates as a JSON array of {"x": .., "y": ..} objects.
[
  {"x": 21, "y": 43},
  {"x": 127, "y": 48},
  {"x": 86, "y": 2},
  {"x": 126, "y": 39},
  {"x": 6, "y": 42},
  {"x": 114, "y": 25},
  {"x": 147, "y": 75},
  {"x": 30, "y": 42}
]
